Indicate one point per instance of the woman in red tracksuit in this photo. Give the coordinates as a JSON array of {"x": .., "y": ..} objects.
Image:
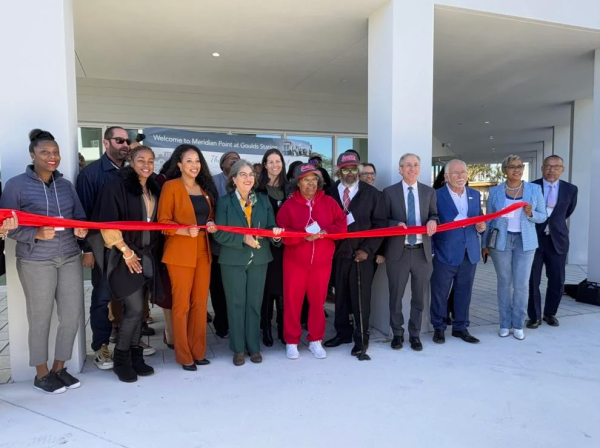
[{"x": 307, "y": 261}]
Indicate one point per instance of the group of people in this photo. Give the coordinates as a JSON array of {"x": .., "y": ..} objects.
[{"x": 248, "y": 275}]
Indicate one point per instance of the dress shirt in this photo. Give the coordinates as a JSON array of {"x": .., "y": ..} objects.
[
  {"x": 415, "y": 191},
  {"x": 352, "y": 191},
  {"x": 461, "y": 201}
]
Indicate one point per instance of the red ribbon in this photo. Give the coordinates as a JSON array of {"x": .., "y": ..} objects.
[{"x": 31, "y": 220}]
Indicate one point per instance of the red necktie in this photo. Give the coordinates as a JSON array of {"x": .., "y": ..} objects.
[{"x": 346, "y": 198}]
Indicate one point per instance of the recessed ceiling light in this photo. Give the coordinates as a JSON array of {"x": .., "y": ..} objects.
[
  {"x": 344, "y": 80},
  {"x": 487, "y": 122},
  {"x": 216, "y": 55},
  {"x": 491, "y": 137}
]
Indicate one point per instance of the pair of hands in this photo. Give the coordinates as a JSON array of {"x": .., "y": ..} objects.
[
  {"x": 194, "y": 230},
  {"x": 431, "y": 227},
  {"x": 253, "y": 242},
  {"x": 316, "y": 236},
  {"x": 47, "y": 233}
]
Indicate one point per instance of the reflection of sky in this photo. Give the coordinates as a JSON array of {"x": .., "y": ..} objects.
[{"x": 322, "y": 145}]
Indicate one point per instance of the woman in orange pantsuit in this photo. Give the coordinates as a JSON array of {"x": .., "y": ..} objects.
[{"x": 188, "y": 198}]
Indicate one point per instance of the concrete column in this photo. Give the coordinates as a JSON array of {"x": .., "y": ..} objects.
[
  {"x": 593, "y": 164},
  {"x": 562, "y": 147},
  {"x": 400, "y": 108},
  {"x": 581, "y": 172},
  {"x": 38, "y": 92}
]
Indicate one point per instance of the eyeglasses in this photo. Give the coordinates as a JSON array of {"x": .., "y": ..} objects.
[
  {"x": 308, "y": 180},
  {"x": 120, "y": 140},
  {"x": 410, "y": 165},
  {"x": 349, "y": 170},
  {"x": 246, "y": 175},
  {"x": 315, "y": 161},
  {"x": 515, "y": 167},
  {"x": 365, "y": 174},
  {"x": 458, "y": 173},
  {"x": 553, "y": 167}
]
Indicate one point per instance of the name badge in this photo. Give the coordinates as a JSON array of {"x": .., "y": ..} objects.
[
  {"x": 349, "y": 219},
  {"x": 313, "y": 228},
  {"x": 59, "y": 229}
]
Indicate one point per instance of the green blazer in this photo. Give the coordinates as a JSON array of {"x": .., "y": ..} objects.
[{"x": 229, "y": 213}]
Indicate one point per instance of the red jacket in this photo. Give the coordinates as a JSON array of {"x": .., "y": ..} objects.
[{"x": 297, "y": 213}]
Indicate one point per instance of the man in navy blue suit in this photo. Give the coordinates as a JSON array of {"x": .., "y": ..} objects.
[
  {"x": 456, "y": 253},
  {"x": 553, "y": 243}
]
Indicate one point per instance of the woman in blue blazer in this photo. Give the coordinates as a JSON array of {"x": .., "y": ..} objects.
[{"x": 511, "y": 240}]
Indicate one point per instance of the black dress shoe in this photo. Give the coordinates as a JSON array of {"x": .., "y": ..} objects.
[
  {"x": 439, "y": 337},
  {"x": 397, "y": 342},
  {"x": 337, "y": 341},
  {"x": 551, "y": 320},
  {"x": 268, "y": 337},
  {"x": 465, "y": 336},
  {"x": 171, "y": 346},
  {"x": 190, "y": 368},
  {"x": 148, "y": 331},
  {"x": 533, "y": 324},
  {"x": 201, "y": 362},
  {"x": 415, "y": 344}
]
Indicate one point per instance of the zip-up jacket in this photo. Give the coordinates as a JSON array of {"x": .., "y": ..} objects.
[
  {"x": 28, "y": 193},
  {"x": 297, "y": 213}
]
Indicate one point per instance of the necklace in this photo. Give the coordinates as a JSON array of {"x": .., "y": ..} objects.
[{"x": 513, "y": 189}]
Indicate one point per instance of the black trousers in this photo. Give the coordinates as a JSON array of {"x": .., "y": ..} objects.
[
  {"x": 130, "y": 330},
  {"x": 217, "y": 297},
  {"x": 346, "y": 296},
  {"x": 555, "y": 264},
  {"x": 267, "y": 310}
]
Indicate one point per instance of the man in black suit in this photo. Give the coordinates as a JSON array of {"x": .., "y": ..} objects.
[
  {"x": 553, "y": 240},
  {"x": 409, "y": 203}
]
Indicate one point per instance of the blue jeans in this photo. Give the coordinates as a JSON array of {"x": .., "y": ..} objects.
[{"x": 513, "y": 267}]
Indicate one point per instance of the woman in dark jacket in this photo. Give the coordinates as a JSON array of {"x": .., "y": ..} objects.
[
  {"x": 48, "y": 260},
  {"x": 244, "y": 259},
  {"x": 273, "y": 183},
  {"x": 132, "y": 265}
]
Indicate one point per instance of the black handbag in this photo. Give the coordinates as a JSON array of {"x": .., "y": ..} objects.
[
  {"x": 492, "y": 239},
  {"x": 589, "y": 292}
]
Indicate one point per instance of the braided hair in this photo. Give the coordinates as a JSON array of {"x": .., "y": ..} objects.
[{"x": 204, "y": 178}]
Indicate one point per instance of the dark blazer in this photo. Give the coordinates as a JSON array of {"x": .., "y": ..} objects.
[
  {"x": 229, "y": 213},
  {"x": 396, "y": 212},
  {"x": 557, "y": 222},
  {"x": 369, "y": 212},
  {"x": 449, "y": 247}
]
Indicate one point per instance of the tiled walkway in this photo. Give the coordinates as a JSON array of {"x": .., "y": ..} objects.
[{"x": 483, "y": 312}]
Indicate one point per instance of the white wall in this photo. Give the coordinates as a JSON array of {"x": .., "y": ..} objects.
[
  {"x": 136, "y": 103},
  {"x": 581, "y": 176},
  {"x": 562, "y": 147}
]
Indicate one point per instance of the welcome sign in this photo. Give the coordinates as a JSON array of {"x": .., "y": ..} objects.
[{"x": 213, "y": 145}]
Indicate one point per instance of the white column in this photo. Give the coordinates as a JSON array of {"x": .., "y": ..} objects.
[
  {"x": 562, "y": 147},
  {"x": 400, "y": 108},
  {"x": 581, "y": 171},
  {"x": 37, "y": 92},
  {"x": 593, "y": 164}
]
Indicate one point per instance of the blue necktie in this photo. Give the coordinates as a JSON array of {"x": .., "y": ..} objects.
[{"x": 412, "y": 221}]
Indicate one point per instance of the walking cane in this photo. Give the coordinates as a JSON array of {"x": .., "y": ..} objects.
[{"x": 363, "y": 353}]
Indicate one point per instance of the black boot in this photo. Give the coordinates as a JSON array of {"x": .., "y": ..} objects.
[
  {"x": 358, "y": 344},
  {"x": 268, "y": 336},
  {"x": 138, "y": 363},
  {"x": 123, "y": 367}
]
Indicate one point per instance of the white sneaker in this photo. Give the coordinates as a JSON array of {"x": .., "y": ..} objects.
[
  {"x": 317, "y": 349},
  {"x": 291, "y": 351},
  {"x": 103, "y": 359},
  {"x": 519, "y": 334},
  {"x": 503, "y": 332},
  {"x": 148, "y": 351}
]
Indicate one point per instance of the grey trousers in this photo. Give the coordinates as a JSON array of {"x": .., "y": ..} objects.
[
  {"x": 59, "y": 279},
  {"x": 411, "y": 262}
]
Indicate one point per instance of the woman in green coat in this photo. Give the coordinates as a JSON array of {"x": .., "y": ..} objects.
[{"x": 244, "y": 259}]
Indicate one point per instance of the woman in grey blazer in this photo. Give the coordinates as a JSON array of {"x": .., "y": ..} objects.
[{"x": 511, "y": 240}]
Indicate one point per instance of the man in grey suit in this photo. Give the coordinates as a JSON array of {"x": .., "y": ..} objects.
[{"x": 409, "y": 203}]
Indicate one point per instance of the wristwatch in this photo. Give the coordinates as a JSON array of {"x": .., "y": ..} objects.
[{"x": 123, "y": 248}]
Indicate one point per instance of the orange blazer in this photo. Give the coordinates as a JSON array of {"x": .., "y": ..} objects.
[{"x": 175, "y": 207}]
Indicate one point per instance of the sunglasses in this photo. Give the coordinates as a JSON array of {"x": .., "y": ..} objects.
[
  {"x": 349, "y": 170},
  {"x": 120, "y": 140}
]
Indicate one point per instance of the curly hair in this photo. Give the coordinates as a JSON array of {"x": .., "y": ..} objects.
[{"x": 204, "y": 178}]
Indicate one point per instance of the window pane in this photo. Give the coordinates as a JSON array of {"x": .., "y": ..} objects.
[
  {"x": 359, "y": 145},
  {"x": 90, "y": 144},
  {"x": 321, "y": 145}
]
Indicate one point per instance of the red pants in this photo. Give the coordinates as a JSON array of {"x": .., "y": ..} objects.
[
  {"x": 298, "y": 281},
  {"x": 190, "y": 298}
]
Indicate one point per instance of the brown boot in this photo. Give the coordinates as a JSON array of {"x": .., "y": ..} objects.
[
  {"x": 256, "y": 358},
  {"x": 238, "y": 359}
]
